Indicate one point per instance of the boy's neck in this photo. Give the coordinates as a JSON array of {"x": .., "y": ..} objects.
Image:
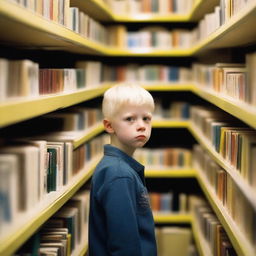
[{"x": 129, "y": 151}]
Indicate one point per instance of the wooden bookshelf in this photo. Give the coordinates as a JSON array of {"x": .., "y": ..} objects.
[
  {"x": 27, "y": 29},
  {"x": 29, "y": 224},
  {"x": 242, "y": 111},
  {"x": 88, "y": 134},
  {"x": 201, "y": 244},
  {"x": 248, "y": 192},
  {"x": 240, "y": 30},
  {"x": 237, "y": 238},
  {"x": 20, "y": 109},
  {"x": 101, "y": 11}
]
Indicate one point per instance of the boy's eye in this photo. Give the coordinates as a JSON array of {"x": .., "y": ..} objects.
[
  {"x": 129, "y": 119},
  {"x": 147, "y": 118}
]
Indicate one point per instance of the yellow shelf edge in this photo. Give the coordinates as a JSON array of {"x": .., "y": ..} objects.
[
  {"x": 241, "y": 110},
  {"x": 172, "y": 217},
  {"x": 200, "y": 242},
  {"x": 240, "y": 243},
  {"x": 169, "y": 173},
  {"x": 11, "y": 243},
  {"x": 161, "y": 86},
  {"x": 167, "y": 123},
  {"x": 20, "y": 110},
  {"x": 89, "y": 133}
]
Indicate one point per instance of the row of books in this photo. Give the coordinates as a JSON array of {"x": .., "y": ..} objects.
[
  {"x": 210, "y": 228},
  {"x": 168, "y": 202},
  {"x": 32, "y": 169},
  {"x": 57, "y": 10},
  {"x": 76, "y": 118},
  {"x": 62, "y": 12},
  {"x": 175, "y": 241},
  {"x": 146, "y": 73},
  {"x": 23, "y": 78},
  {"x": 164, "y": 157},
  {"x": 86, "y": 26},
  {"x": 150, "y": 6},
  {"x": 234, "y": 143},
  {"x": 155, "y": 37},
  {"x": 220, "y": 182},
  {"x": 178, "y": 110},
  {"x": 149, "y": 37},
  {"x": 222, "y": 13},
  {"x": 65, "y": 233},
  {"x": 231, "y": 80}
]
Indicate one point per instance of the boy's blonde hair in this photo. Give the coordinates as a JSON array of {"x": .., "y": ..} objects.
[{"x": 123, "y": 94}]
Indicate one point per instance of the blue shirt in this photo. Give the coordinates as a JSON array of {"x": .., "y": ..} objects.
[{"x": 120, "y": 220}]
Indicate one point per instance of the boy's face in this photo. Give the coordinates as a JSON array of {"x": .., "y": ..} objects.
[{"x": 131, "y": 127}]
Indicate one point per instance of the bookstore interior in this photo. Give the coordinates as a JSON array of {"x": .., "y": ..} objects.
[{"x": 196, "y": 58}]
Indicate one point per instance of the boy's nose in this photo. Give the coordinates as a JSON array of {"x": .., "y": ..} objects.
[{"x": 141, "y": 125}]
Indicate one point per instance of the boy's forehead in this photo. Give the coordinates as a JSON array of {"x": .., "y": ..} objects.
[{"x": 135, "y": 108}]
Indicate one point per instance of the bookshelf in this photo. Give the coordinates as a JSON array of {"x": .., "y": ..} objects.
[
  {"x": 20, "y": 110},
  {"x": 101, "y": 11},
  {"x": 45, "y": 34},
  {"x": 28, "y": 30},
  {"x": 240, "y": 243},
  {"x": 38, "y": 216}
]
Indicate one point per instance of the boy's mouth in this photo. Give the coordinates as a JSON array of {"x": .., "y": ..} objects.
[{"x": 141, "y": 137}]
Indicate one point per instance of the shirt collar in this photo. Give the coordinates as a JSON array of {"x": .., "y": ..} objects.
[{"x": 114, "y": 151}]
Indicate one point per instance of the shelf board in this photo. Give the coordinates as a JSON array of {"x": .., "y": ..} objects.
[
  {"x": 201, "y": 7},
  {"x": 23, "y": 109},
  {"x": 168, "y": 123},
  {"x": 101, "y": 11},
  {"x": 241, "y": 110},
  {"x": 89, "y": 133},
  {"x": 201, "y": 243},
  {"x": 96, "y": 9},
  {"x": 27, "y": 29},
  {"x": 149, "y": 52},
  {"x": 169, "y": 173},
  {"x": 161, "y": 86},
  {"x": 240, "y": 30},
  {"x": 237, "y": 238},
  {"x": 246, "y": 189},
  {"x": 11, "y": 243},
  {"x": 172, "y": 218},
  {"x": 16, "y": 27}
]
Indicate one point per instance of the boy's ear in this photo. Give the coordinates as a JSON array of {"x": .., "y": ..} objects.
[{"x": 108, "y": 126}]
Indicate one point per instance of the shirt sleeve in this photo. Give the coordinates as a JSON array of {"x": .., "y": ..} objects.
[{"x": 119, "y": 203}]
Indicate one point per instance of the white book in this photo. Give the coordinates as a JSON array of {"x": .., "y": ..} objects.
[
  {"x": 8, "y": 190},
  {"x": 119, "y": 6},
  {"x": 4, "y": 69},
  {"x": 28, "y": 174},
  {"x": 134, "y": 6}
]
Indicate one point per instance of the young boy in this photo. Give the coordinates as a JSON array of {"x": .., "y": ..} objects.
[{"x": 120, "y": 221}]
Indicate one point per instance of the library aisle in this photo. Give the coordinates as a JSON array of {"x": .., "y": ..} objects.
[{"x": 196, "y": 57}]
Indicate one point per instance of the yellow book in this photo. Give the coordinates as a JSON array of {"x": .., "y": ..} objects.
[
  {"x": 69, "y": 245},
  {"x": 174, "y": 241}
]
